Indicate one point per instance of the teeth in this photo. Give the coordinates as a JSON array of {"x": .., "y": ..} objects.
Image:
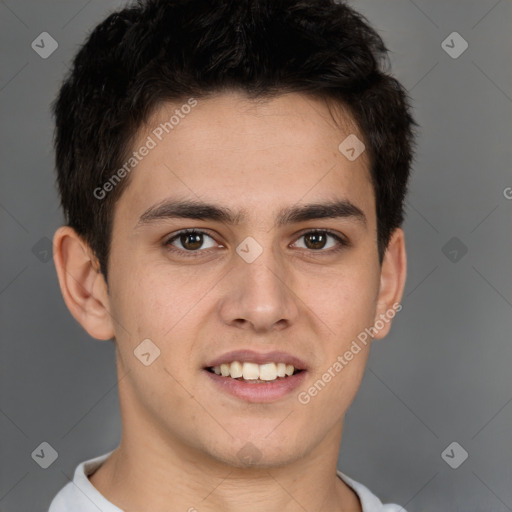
[
  {"x": 268, "y": 371},
  {"x": 236, "y": 369},
  {"x": 253, "y": 371}
]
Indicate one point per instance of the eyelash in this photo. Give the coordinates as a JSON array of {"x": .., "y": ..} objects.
[{"x": 194, "y": 254}]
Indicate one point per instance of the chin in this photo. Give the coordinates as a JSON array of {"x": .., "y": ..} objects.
[{"x": 254, "y": 452}]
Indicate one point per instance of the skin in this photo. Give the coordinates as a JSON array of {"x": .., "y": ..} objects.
[{"x": 181, "y": 435}]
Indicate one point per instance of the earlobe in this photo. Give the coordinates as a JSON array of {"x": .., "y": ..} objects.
[
  {"x": 82, "y": 285},
  {"x": 392, "y": 282}
]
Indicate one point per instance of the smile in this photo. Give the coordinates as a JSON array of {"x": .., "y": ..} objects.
[{"x": 253, "y": 372}]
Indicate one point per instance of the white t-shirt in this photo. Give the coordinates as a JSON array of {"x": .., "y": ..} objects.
[{"x": 81, "y": 496}]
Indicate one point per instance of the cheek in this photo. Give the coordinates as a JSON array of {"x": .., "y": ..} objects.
[
  {"x": 345, "y": 301},
  {"x": 165, "y": 307},
  {"x": 348, "y": 307},
  {"x": 146, "y": 294}
]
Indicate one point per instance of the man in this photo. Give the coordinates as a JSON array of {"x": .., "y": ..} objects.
[{"x": 233, "y": 176}]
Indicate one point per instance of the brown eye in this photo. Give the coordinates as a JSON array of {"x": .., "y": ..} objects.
[
  {"x": 189, "y": 241},
  {"x": 315, "y": 240}
]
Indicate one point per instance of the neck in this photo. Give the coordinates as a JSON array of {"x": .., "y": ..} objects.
[{"x": 143, "y": 476}]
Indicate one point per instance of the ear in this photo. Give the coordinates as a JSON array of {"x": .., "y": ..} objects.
[
  {"x": 392, "y": 282},
  {"x": 82, "y": 284}
]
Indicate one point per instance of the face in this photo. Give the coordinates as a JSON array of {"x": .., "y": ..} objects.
[{"x": 256, "y": 286}]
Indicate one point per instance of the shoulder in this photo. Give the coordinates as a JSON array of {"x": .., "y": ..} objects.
[
  {"x": 80, "y": 495},
  {"x": 369, "y": 502}
]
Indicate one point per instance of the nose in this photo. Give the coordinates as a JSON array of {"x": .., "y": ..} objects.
[{"x": 260, "y": 294}]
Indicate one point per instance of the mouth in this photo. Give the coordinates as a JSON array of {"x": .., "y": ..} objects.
[
  {"x": 255, "y": 377},
  {"x": 254, "y": 373}
]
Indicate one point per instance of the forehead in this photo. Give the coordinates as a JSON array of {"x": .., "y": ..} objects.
[{"x": 263, "y": 154}]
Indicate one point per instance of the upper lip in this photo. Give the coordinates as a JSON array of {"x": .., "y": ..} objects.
[{"x": 250, "y": 356}]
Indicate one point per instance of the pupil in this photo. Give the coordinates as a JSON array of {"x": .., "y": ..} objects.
[
  {"x": 317, "y": 236},
  {"x": 191, "y": 236}
]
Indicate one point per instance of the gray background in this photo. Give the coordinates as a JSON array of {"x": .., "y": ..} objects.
[{"x": 442, "y": 375}]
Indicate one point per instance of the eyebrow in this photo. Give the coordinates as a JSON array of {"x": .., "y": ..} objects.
[{"x": 186, "y": 209}]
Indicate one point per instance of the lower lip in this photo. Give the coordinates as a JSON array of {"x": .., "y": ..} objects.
[{"x": 258, "y": 391}]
